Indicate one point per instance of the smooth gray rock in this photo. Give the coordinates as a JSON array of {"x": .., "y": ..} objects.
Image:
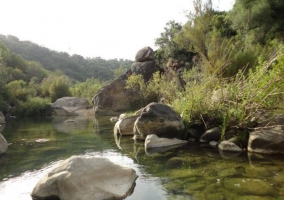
[
  {"x": 229, "y": 146},
  {"x": 125, "y": 125},
  {"x": 85, "y": 178},
  {"x": 71, "y": 102},
  {"x": 212, "y": 134},
  {"x": 71, "y": 106},
  {"x": 267, "y": 140},
  {"x": 158, "y": 119},
  {"x": 153, "y": 141}
]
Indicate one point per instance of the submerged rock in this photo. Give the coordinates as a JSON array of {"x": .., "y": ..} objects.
[
  {"x": 85, "y": 178},
  {"x": 247, "y": 186}
]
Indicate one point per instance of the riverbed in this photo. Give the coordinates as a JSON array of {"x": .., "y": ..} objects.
[{"x": 191, "y": 171}]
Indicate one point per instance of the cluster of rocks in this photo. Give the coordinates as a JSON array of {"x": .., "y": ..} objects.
[
  {"x": 153, "y": 121},
  {"x": 158, "y": 124},
  {"x": 114, "y": 99}
]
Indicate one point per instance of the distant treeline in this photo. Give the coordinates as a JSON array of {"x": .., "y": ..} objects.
[{"x": 75, "y": 66}]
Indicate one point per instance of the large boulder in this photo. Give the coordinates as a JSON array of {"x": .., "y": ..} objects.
[
  {"x": 146, "y": 69},
  {"x": 114, "y": 99},
  {"x": 145, "y": 54},
  {"x": 2, "y": 118},
  {"x": 268, "y": 140},
  {"x": 70, "y": 106},
  {"x": 158, "y": 119},
  {"x": 86, "y": 177},
  {"x": 3, "y": 144},
  {"x": 153, "y": 141},
  {"x": 125, "y": 125}
]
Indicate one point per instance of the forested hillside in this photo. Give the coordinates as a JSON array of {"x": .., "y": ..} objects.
[
  {"x": 75, "y": 66},
  {"x": 31, "y": 76}
]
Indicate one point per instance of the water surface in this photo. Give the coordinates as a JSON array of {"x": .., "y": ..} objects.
[{"x": 187, "y": 172}]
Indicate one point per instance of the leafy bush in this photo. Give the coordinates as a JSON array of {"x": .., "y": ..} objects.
[
  {"x": 34, "y": 106},
  {"x": 86, "y": 89}
]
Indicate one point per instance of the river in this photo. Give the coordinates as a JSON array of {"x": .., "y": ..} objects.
[{"x": 190, "y": 171}]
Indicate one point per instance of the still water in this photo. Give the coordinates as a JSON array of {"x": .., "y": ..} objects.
[{"x": 187, "y": 172}]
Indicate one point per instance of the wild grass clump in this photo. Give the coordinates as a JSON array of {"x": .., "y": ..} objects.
[
  {"x": 230, "y": 103},
  {"x": 233, "y": 102}
]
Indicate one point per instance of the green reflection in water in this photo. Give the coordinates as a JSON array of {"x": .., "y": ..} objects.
[{"x": 185, "y": 172}]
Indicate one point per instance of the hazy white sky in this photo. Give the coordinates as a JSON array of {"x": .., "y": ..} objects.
[{"x": 94, "y": 28}]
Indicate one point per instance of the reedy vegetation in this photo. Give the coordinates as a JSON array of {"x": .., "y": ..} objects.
[{"x": 241, "y": 67}]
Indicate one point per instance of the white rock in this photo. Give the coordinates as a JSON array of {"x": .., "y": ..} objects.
[
  {"x": 153, "y": 141},
  {"x": 114, "y": 119},
  {"x": 122, "y": 116},
  {"x": 85, "y": 178},
  {"x": 213, "y": 143}
]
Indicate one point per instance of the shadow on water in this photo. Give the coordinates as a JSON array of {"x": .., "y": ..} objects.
[{"x": 189, "y": 171}]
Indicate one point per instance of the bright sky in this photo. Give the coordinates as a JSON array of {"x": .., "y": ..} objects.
[{"x": 94, "y": 28}]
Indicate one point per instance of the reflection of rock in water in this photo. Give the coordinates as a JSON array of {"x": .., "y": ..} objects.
[
  {"x": 117, "y": 138},
  {"x": 96, "y": 126},
  {"x": 68, "y": 124},
  {"x": 102, "y": 124},
  {"x": 229, "y": 154},
  {"x": 161, "y": 149},
  {"x": 3, "y": 161},
  {"x": 2, "y": 127},
  {"x": 3, "y": 144}
]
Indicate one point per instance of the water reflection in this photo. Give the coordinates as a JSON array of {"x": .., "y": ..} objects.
[{"x": 190, "y": 171}]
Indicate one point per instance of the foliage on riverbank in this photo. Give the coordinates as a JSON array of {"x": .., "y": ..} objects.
[{"x": 226, "y": 70}]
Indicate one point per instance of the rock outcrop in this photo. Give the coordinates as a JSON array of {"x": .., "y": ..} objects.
[
  {"x": 158, "y": 119},
  {"x": 86, "y": 177},
  {"x": 3, "y": 144},
  {"x": 71, "y": 106},
  {"x": 2, "y": 118},
  {"x": 153, "y": 141},
  {"x": 114, "y": 99}
]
